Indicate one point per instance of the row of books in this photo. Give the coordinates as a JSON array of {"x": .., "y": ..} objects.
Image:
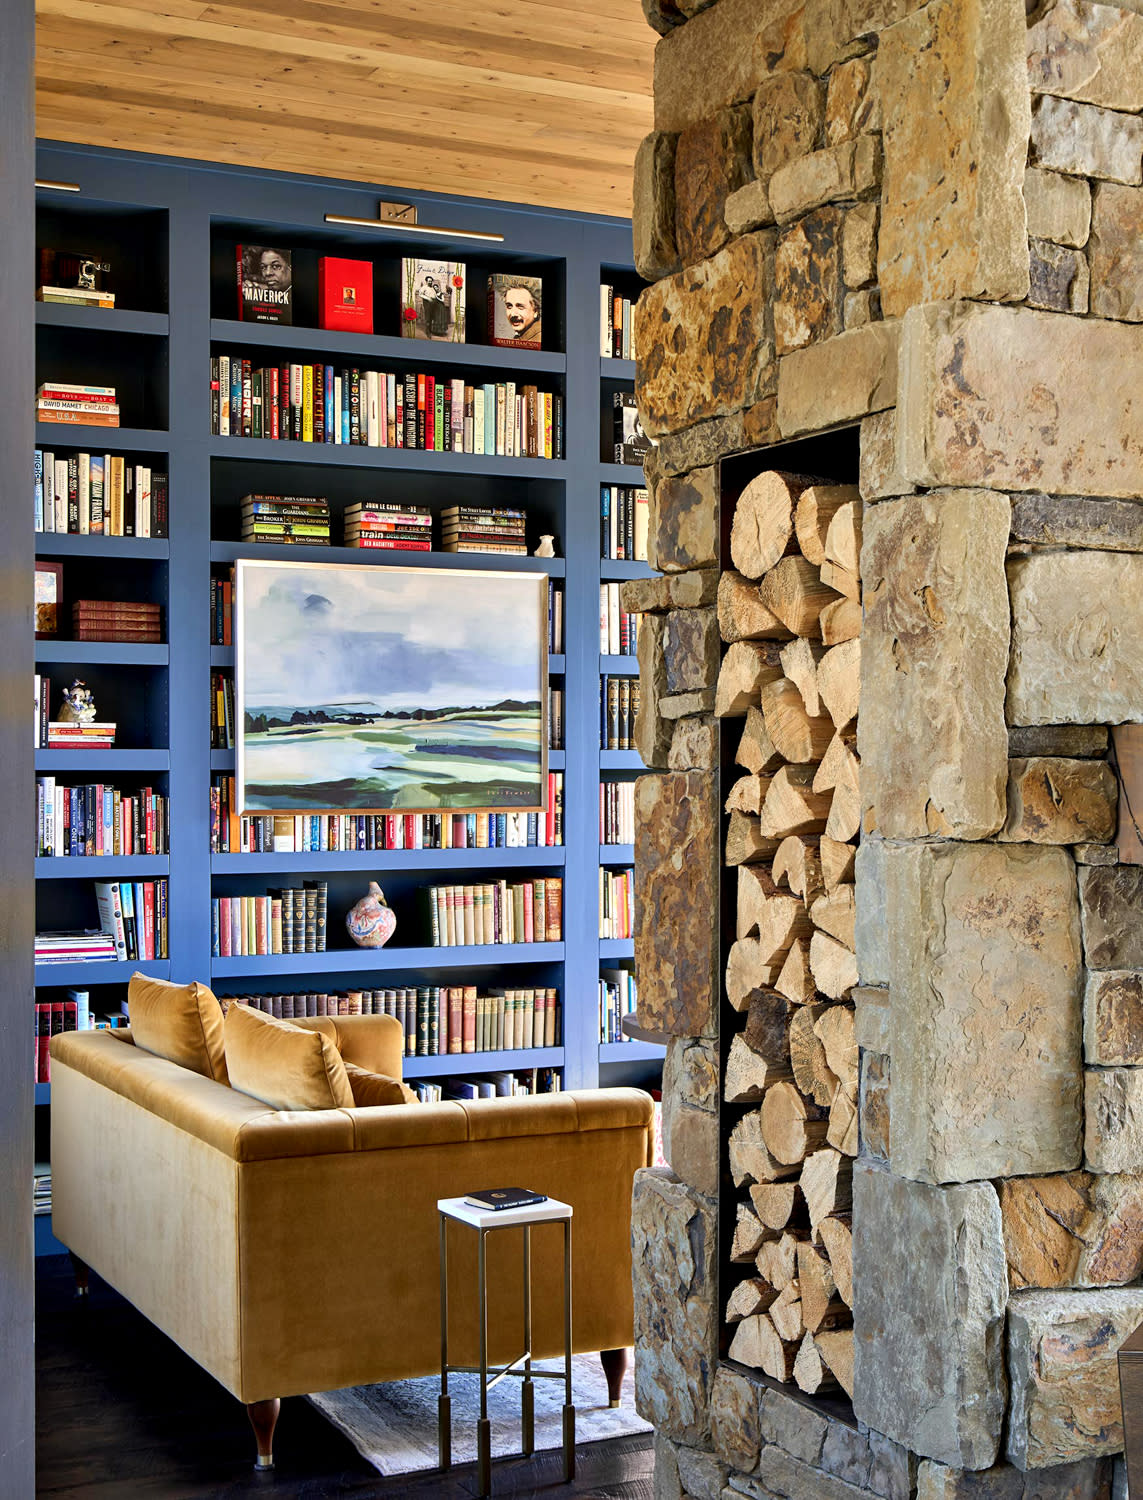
[
  {"x": 524, "y": 912},
  {"x": 513, "y": 1085},
  {"x": 618, "y": 631},
  {"x": 292, "y": 919},
  {"x": 380, "y": 409},
  {"x": 616, "y": 812},
  {"x": 618, "y": 997},
  {"x": 98, "y": 494},
  {"x": 616, "y": 324},
  {"x": 79, "y": 405},
  {"x": 618, "y": 706},
  {"x": 134, "y": 913},
  {"x": 93, "y": 819},
  {"x": 314, "y": 833},
  {"x": 623, "y": 511},
  {"x": 127, "y": 620},
  {"x": 222, "y": 710},
  {"x": 435, "y": 1020},
  {"x": 616, "y": 903}
]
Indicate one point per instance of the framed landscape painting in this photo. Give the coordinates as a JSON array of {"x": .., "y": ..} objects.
[{"x": 364, "y": 689}]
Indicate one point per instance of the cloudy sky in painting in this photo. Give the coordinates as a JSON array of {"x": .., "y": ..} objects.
[{"x": 345, "y": 634}]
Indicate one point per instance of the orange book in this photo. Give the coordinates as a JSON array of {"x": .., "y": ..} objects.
[{"x": 554, "y": 910}]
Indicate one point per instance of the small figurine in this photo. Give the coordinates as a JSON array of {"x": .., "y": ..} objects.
[
  {"x": 547, "y": 547},
  {"x": 78, "y": 705},
  {"x": 371, "y": 922}
]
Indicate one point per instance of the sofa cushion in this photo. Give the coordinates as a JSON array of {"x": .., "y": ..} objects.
[
  {"x": 377, "y": 1088},
  {"x": 181, "y": 1022},
  {"x": 284, "y": 1065}
]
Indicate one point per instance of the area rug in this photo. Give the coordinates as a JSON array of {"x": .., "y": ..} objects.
[{"x": 394, "y": 1425}]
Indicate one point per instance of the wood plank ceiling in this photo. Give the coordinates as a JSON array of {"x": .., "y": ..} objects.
[{"x": 531, "y": 101}]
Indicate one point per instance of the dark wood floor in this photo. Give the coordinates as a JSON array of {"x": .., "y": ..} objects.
[{"x": 121, "y": 1412}]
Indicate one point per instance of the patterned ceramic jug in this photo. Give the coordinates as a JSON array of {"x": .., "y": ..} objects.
[{"x": 371, "y": 923}]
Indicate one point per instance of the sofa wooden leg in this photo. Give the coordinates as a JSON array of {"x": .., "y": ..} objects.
[
  {"x": 263, "y": 1418},
  {"x": 614, "y": 1362},
  {"x": 80, "y": 1270}
]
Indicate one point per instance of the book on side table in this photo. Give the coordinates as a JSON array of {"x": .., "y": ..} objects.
[{"x": 498, "y": 1198}]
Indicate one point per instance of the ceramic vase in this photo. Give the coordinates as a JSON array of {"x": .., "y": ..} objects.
[{"x": 371, "y": 923}]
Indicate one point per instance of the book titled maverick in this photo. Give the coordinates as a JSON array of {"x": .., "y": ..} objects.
[{"x": 265, "y": 284}]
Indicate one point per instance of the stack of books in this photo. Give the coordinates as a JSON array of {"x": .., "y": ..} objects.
[
  {"x": 302, "y": 520},
  {"x": 93, "y": 736},
  {"x": 116, "y": 620},
  {"x": 42, "y": 1188},
  {"x": 74, "y": 947},
  {"x": 483, "y": 528},
  {"x": 389, "y": 527},
  {"x": 81, "y": 405}
]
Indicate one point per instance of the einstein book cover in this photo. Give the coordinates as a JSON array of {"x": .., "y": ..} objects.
[
  {"x": 515, "y": 305},
  {"x": 265, "y": 283},
  {"x": 433, "y": 306}
]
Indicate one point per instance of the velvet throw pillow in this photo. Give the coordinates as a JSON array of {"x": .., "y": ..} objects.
[
  {"x": 377, "y": 1088},
  {"x": 286, "y": 1066},
  {"x": 181, "y": 1022}
]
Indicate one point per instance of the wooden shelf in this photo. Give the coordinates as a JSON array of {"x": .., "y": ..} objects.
[
  {"x": 103, "y": 653},
  {"x": 102, "y": 866},
  {"x": 102, "y": 319},
  {"x": 414, "y": 860},
  {"x": 464, "y": 1064},
  {"x": 123, "y": 548},
  {"x": 342, "y": 348},
  {"x": 389, "y": 960}
]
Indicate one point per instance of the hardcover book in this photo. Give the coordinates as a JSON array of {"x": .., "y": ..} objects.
[
  {"x": 631, "y": 441},
  {"x": 265, "y": 284},
  {"x": 501, "y": 1198},
  {"x": 345, "y": 294},
  {"x": 514, "y": 311},
  {"x": 434, "y": 300}
]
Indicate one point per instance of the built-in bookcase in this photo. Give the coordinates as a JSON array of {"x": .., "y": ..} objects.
[{"x": 169, "y": 231}]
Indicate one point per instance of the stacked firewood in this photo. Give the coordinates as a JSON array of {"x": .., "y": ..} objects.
[{"x": 790, "y": 615}]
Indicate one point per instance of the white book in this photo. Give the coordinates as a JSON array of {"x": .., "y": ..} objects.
[
  {"x": 605, "y": 342},
  {"x": 371, "y": 413},
  {"x": 61, "y": 494},
  {"x": 603, "y": 619},
  {"x": 511, "y": 420},
  {"x": 142, "y": 501},
  {"x": 613, "y": 619},
  {"x": 48, "y": 481},
  {"x": 477, "y": 420}
]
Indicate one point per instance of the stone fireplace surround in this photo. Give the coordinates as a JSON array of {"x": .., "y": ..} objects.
[{"x": 923, "y": 224}]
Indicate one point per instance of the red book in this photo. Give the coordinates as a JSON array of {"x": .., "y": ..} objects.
[
  {"x": 468, "y": 1011},
  {"x": 149, "y": 918},
  {"x": 345, "y": 294},
  {"x": 455, "y": 1018}
]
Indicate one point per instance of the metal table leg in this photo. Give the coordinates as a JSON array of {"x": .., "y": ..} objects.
[
  {"x": 444, "y": 1402},
  {"x": 483, "y": 1427},
  {"x": 569, "y": 1409},
  {"x": 528, "y": 1387}
]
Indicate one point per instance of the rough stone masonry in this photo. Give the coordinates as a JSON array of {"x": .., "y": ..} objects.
[{"x": 927, "y": 1036}]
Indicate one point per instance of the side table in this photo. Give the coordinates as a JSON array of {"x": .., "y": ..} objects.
[{"x": 484, "y": 1222}]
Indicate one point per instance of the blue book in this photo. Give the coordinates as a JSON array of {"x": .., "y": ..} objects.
[
  {"x": 38, "y": 471},
  {"x": 215, "y": 945},
  {"x": 605, "y": 521},
  {"x": 490, "y": 419}
]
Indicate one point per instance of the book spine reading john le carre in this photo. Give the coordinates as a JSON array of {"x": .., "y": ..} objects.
[
  {"x": 481, "y": 528},
  {"x": 376, "y": 524}
]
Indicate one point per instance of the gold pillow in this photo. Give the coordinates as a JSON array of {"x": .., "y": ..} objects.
[
  {"x": 181, "y": 1022},
  {"x": 377, "y": 1088},
  {"x": 286, "y": 1066}
]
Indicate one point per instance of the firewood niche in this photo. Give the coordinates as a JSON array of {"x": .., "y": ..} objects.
[{"x": 789, "y": 613}]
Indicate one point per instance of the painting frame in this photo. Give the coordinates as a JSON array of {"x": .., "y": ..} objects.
[{"x": 253, "y": 573}]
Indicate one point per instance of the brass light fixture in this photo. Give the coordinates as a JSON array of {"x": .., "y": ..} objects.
[{"x": 402, "y": 217}]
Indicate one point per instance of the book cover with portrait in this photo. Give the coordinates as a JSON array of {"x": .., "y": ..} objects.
[
  {"x": 345, "y": 294},
  {"x": 433, "y": 305},
  {"x": 265, "y": 284},
  {"x": 515, "y": 308}
]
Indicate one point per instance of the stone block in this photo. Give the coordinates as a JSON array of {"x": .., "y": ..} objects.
[
  {"x": 1113, "y": 1107},
  {"x": 787, "y": 117},
  {"x": 683, "y": 521},
  {"x": 985, "y": 968},
  {"x": 893, "y": 1469},
  {"x": 1059, "y": 207},
  {"x": 868, "y": 165},
  {"x": 701, "y": 1474},
  {"x": 712, "y": 160},
  {"x": 807, "y": 281},
  {"x": 1116, "y": 250},
  {"x": 1058, "y": 277},
  {"x": 653, "y": 207},
  {"x": 809, "y": 181},
  {"x": 859, "y": 245},
  {"x": 1113, "y": 1018},
  {"x": 786, "y": 1478},
  {"x": 691, "y": 651},
  {"x": 1086, "y": 1480},
  {"x": 690, "y": 1144},
  {"x": 748, "y": 208},
  {"x": 694, "y": 744},
  {"x": 934, "y": 651},
  {"x": 705, "y": 348},
  {"x": 1062, "y": 1370},
  {"x": 929, "y": 1292},
  {"x": 1077, "y": 741},
  {"x": 1078, "y": 521},
  {"x": 652, "y": 733},
  {"x": 1078, "y": 50},
  {"x": 845, "y": 1454},
  {"x": 871, "y": 930},
  {"x": 874, "y": 1106},
  {"x": 860, "y": 308},
  {"x": 792, "y": 1424},
  {"x": 1086, "y": 141},
  {"x": 879, "y": 474},
  {"x": 1095, "y": 854},
  {"x": 838, "y": 381},
  {"x": 734, "y": 1402},
  {"x": 1077, "y": 642},
  {"x": 988, "y": 398},
  {"x": 1056, "y": 801},
  {"x": 1112, "y": 902},
  {"x": 673, "y": 1242},
  {"x": 748, "y": 41},
  {"x": 847, "y": 103},
  {"x": 676, "y": 915},
  {"x": 952, "y": 220},
  {"x": 873, "y": 1021},
  {"x": 1072, "y": 1230},
  {"x": 662, "y": 15},
  {"x": 680, "y": 705}
]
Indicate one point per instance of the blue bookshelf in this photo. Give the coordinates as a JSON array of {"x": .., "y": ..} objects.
[{"x": 174, "y": 308}]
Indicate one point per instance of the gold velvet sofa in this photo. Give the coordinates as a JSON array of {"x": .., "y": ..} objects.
[{"x": 297, "y": 1251}]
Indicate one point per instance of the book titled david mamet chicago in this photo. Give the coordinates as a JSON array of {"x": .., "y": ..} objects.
[{"x": 501, "y": 1198}]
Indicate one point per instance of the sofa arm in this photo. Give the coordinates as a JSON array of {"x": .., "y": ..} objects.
[{"x": 375, "y": 1043}]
